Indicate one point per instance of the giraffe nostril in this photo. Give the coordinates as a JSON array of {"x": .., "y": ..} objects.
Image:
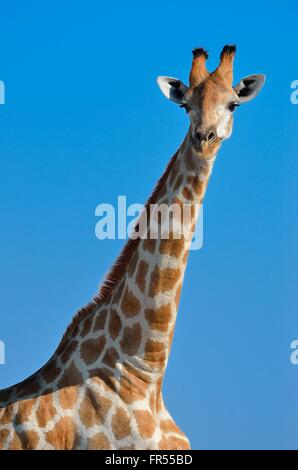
[
  {"x": 200, "y": 136},
  {"x": 205, "y": 136},
  {"x": 211, "y": 136}
]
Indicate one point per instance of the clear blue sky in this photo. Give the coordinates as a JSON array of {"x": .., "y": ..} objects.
[{"x": 84, "y": 122}]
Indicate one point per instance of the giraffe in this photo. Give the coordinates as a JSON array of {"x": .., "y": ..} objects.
[{"x": 102, "y": 388}]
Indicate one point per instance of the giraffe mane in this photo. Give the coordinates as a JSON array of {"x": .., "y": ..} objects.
[{"x": 119, "y": 268}]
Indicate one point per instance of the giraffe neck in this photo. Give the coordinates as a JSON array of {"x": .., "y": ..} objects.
[{"x": 149, "y": 293}]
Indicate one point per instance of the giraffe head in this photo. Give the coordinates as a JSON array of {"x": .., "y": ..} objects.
[{"x": 210, "y": 99}]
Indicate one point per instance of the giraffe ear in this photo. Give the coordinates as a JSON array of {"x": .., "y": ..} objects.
[
  {"x": 249, "y": 87},
  {"x": 172, "y": 88}
]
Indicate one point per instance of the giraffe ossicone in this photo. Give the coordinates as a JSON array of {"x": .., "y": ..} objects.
[{"x": 102, "y": 388}]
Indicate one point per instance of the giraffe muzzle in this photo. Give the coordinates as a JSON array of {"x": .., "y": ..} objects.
[
  {"x": 206, "y": 141},
  {"x": 208, "y": 136}
]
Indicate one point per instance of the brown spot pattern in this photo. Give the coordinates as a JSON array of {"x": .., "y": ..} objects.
[
  {"x": 70, "y": 377},
  {"x": 87, "y": 326},
  {"x": 121, "y": 424},
  {"x": 91, "y": 349},
  {"x": 71, "y": 347},
  {"x": 110, "y": 358},
  {"x": 163, "y": 280},
  {"x": 62, "y": 436},
  {"x": 8, "y": 415},
  {"x": 198, "y": 186},
  {"x": 23, "y": 411},
  {"x": 187, "y": 193},
  {"x": 50, "y": 372},
  {"x": 68, "y": 397},
  {"x": 171, "y": 246},
  {"x": 149, "y": 245},
  {"x": 94, "y": 408},
  {"x": 99, "y": 442},
  {"x": 141, "y": 275},
  {"x": 130, "y": 305},
  {"x": 24, "y": 441},
  {"x": 114, "y": 324},
  {"x": 146, "y": 423},
  {"x": 100, "y": 320},
  {"x": 45, "y": 411},
  {"x": 131, "y": 339}
]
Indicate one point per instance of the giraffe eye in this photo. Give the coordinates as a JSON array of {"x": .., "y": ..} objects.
[{"x": 232, "y": 106}]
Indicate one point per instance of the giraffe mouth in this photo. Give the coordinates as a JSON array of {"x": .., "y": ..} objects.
[{"x": 207, "y": 149}]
